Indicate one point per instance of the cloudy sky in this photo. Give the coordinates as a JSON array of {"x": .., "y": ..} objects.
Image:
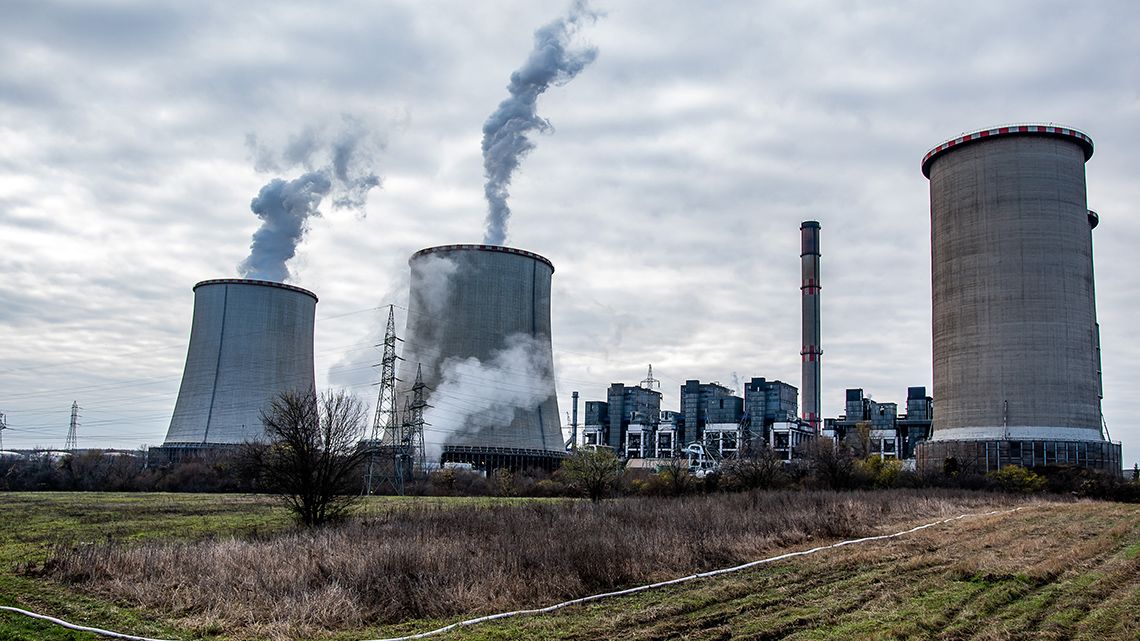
[{"x": 668, "y": 196}]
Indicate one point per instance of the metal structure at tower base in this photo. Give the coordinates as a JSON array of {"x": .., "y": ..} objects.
[
  {"x": 980, "y": 457},
  {"x": 489, "y": 459}
]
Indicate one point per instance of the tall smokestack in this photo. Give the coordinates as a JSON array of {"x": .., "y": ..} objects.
[
  {"x": 574, "y": 423},
  {"x": 811, "y": 352}
]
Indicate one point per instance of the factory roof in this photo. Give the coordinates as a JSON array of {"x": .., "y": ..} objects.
[
  {"x": 491, "y": 248},
  {"x": 260, "y": 283},
  {"x": 1028, "y": 129}
]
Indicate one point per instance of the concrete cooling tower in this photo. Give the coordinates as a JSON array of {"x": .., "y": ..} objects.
[
  {"x": 479, "y": 325},
  {"x": 1016, "y": 371},
  {"x": 250, "y": 340}
]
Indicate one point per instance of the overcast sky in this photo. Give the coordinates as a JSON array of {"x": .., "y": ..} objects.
[{"x": 668, "y": 196}]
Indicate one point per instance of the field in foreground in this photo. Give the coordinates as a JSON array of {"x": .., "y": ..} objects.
[{"x": 1051, "y": 570}]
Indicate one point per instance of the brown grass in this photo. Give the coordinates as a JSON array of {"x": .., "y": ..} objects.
[
  {"x": 433, "y": 561},
  {"x": 902, "y": 588}
]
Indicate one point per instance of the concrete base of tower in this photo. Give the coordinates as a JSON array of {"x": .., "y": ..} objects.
[
  {"x": 982, "y": 456},
  {"x": 489, "y": 459}
]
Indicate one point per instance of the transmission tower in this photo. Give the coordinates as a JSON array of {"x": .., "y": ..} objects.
[
  {"x": 385, "y": 427},
  {"x": 70, "y": 444},
  {"x": 414, "y": 424},
  {"x": 650, "y": 382}
]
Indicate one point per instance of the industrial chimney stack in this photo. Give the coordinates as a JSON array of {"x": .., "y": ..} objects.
[{"x": 811, "y": 352}]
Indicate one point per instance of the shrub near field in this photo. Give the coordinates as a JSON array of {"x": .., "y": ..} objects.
[{"x": 433, "y": 561}]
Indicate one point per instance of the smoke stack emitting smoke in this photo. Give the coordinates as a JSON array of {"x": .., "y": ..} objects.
[
  {"x": 284, "y": 207},
  {"x": 505, "y": 140}
]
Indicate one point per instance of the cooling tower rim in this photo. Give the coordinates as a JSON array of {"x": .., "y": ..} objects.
[
  {"x": 258, "y": 283},
  {"x": 443, "y": 249},
  {"x": 1025, "y": 129}
]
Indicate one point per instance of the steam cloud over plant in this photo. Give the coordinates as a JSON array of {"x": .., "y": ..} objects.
[
  {"x": 339, "y": 167},
  {"x": 505, "y": 139},
  {"x": 472, "y": 395}
]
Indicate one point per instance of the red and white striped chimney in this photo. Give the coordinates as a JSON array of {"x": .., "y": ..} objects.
[{"x": 811, "y": 352}]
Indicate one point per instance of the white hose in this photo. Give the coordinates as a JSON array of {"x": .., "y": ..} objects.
[
  {"x": 558, "y": 606},
  {"x": 81, "y": 628}
]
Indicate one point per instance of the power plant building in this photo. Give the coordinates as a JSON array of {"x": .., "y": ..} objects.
[
  {"x": 879, "y": 428},
  {"x": 626, "y": 422},
  {"x": 250, "y": 340},
  {"x": 1016, "y": 354},
  {"x": 479, "y": 324},
  {"x": 633, "y": 415},
  {"x": 768, "y": 402},
  {"x": 632, "y": 423},
  {"x": 770, "y": 409}
]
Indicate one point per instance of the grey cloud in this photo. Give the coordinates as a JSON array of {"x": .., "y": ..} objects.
[{"x": 684, "y": 160}]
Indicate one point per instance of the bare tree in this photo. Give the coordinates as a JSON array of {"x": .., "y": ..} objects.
[
  {"x": 593, "y": 470},
  {"x": 675, "y": 477},
  {"x": 313, "y": 456},
  {"x": 759, "y": 468},
  {"x": 831, "y": 463}
]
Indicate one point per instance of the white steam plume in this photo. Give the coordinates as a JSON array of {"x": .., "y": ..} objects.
[
  {"x": 474, "y": 396},
  {"x": 505, "y": 140},
  {"x": 340, "y": 166}
]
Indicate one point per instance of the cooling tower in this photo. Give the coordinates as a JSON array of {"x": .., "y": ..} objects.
[
  {"x": 1015, "y": 337},
  {"x": 810, "y": 354},
  {"x": 250, "y": 340},
  {"x": 479, "y": 324}
]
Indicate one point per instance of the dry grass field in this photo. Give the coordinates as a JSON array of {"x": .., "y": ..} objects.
[{"x": 1052, "y": 570}]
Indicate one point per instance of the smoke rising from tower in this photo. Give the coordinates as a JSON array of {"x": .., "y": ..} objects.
[
  {"x": 477, "y": 396},
  {"x": 340, "y": 168},
  {"x": 505, "y": 134}
]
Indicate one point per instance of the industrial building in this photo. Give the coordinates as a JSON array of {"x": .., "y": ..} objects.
[
  {"x": 250, "y": 340},
  {"x": 770, "y": 409},
  {"x": 626, "y": 421},
  {"x": 485, "y": 308},
  {"x": 1016, "y": 354},
  {"x": 879, "y": 428},
  {"x": 632, "y": 424},
  {"x": 712, "y": 415}
]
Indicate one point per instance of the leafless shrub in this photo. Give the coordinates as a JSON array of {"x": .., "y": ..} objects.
[
  {"x": 313, "y": 456},
  {"x": 431, "y": 560}
]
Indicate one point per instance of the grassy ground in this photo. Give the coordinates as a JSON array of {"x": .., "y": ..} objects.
[
  {"x": 32, "y": 524},
  {"x": 1049, "y": 571},
  {"x": 1052, "y": 571}
]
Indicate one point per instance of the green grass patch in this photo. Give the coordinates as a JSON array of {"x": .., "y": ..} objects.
[{"x": 891, "y": 592}]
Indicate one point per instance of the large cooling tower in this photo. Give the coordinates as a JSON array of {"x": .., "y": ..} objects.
[
  {"x": 250, "y": 340},
  {"x": 1015, "y": 337},
  {"x": 479, "y": 324}
]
